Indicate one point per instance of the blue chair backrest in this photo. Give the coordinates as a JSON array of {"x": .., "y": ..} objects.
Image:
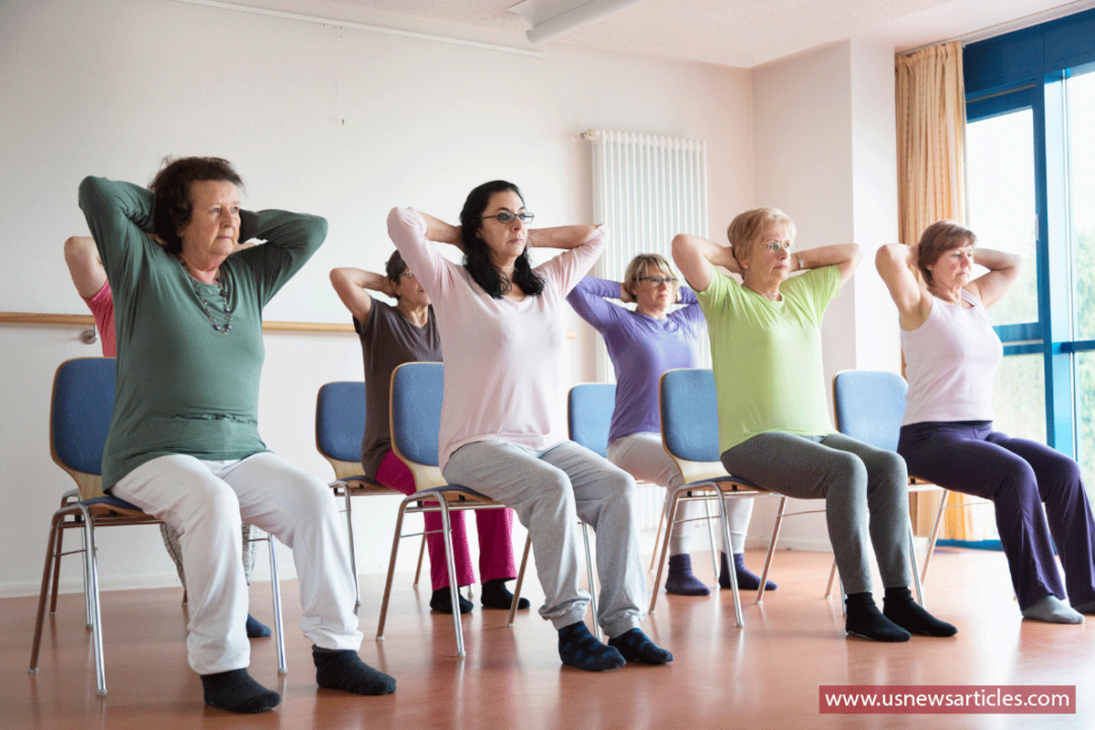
[
  {"x": 418, "y": 389},
  {"x": 340, "y": 420},
  {"x": 689, "y": 414},
  {"x": 83, "y": 402},
  {"x": 589, "y": 415},
  {"x": 869, "y": 406}
]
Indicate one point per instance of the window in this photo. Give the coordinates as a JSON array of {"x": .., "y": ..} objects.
[{"x": 1030, "y": 109}]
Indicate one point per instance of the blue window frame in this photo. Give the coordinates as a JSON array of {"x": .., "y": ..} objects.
[{"x": 1029, "y": 70}]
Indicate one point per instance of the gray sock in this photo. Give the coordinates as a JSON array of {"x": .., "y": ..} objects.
[{"x": 1052, "y": 609}]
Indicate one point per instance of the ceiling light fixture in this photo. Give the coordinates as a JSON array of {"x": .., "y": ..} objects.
[{"x": 552, "y": 18}]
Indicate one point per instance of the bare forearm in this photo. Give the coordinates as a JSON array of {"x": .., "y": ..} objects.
[
  {"x": 996, "y": 260},
  {"x": 835, "y": 255},
  {"x": 560, "y": 236}
]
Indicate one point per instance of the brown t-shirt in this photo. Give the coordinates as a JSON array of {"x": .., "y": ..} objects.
[{"x": 388, "y": 339}]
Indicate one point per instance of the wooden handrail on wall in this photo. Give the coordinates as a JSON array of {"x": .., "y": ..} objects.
[{"x": 87, "y": 320}]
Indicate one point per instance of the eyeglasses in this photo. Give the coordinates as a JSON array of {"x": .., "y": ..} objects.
[
  {"x": 774, "y": 246},
  {"x": 505, "y": 218},
  {"x": 659, "y": 280},
  {"x": 409, "y": 274}
]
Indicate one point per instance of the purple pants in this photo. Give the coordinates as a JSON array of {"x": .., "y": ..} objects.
[
  {"x": 1018, "y": 476},
  {"x": 495, "y": 527}
]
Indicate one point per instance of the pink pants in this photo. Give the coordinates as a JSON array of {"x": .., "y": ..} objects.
[{"x": 495, "y": 529}]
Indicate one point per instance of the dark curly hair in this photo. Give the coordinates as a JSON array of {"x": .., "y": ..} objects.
[
  {"x": 477, "y": 258},
  {"x": 171, "y": 188}
]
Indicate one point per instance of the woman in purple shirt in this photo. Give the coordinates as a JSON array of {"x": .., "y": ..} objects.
[{"x": 643, "y": 344}]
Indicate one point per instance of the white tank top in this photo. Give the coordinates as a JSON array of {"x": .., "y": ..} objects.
[{"x": 950, "y": 363}]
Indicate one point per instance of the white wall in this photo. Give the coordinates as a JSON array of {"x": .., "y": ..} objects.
[
  {"x": 825, "y": 154},
  {"x": 340, "y": 122}
]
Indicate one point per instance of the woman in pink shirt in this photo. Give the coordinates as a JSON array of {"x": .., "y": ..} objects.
[
  {"x": 947, "y": 437},
  {"x": 503, "y": 431}
]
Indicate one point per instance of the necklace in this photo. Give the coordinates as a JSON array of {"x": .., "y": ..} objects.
[{"x": 206, "y": 306}]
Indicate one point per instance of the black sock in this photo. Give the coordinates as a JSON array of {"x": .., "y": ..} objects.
[
  {"x": 747, "y": 580},
  {"x": 343, "y": 670},
  {"x": 578, "y": 648},
  {"x": 898, "y": 606},
  {"x": 867, "y": 622},
  {"x": 441, "y": 601},
  {"x": 236, "y": 691},
  {"x": 635, "y": 646},
  {"x": 496, "y": 595},
  {"x": 255, "y": 628}
]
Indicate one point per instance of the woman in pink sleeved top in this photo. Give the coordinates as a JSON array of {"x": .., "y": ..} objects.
[{"x": 503, "y": 431}]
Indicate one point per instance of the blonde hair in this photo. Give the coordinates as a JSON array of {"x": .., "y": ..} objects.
[
  {"x": 640, "y": 266},
  {"x": 747, "y": 228}
]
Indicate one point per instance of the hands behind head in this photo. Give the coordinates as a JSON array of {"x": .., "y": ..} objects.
[{"x": 625, "y": 295}]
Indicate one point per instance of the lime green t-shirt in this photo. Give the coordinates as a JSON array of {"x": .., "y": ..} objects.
[
  {"x": 182, "y": 386},
  {"x": 766, "y": 355}
]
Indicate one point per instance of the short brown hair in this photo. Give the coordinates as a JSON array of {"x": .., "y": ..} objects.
[
  {"x": 748, "y": 227},
  {"x": 936, "y": 240},
  {"x": 640, "y": 266},
  {"x": 171, "y": 188}
]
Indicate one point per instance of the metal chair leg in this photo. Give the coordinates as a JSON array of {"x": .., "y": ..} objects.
[
  {"x": 520, "y": 582},
  {"x": 671, "y": 518},
  {"x": 391, "y": 571},
  {"x": 725, "y": 520},
  {"x": 454, "y": 589},
  {"x": 915, "y": 572},
  {"x": 935, "y": 534},
  {"x": 771, "y": 548},
  {"x": 353, "y": 552},
  {"x": 275, "y": 589},
  {"x": 592, "y": 582},
  {"x": 421, "y": 555},
  {"x": 91, "y": 560},
  {"x": 711, "y": 536},
  {"x": 51, "y": 549}
]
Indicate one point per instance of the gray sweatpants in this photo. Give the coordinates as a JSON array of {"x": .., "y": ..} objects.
[
  {"x": 852, "y": 478},
  {"x": 550, "y": 491}
]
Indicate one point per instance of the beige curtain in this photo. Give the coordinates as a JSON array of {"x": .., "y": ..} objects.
[{"x": 931, "y": 120}]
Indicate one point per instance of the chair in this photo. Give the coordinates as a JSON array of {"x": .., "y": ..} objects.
[
  {"x": 340, "y": 428},
  {"x": 80, "y": 413},
  {"x": 869, "y": 406},
  {"x": 690, "y": 435},
  {"x": 416, "y": 395}
]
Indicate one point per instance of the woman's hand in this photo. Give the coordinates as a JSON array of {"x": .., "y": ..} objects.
[{"x": 626, "y": 296}]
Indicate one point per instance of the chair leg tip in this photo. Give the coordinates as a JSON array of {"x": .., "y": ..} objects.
[{"x": 32, "y": 670}]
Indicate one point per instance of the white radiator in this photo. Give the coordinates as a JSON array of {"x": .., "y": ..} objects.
[{"x": 646, "y": 189}]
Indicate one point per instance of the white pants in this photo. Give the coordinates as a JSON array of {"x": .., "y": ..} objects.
[
  {"x": 206, "y": 502},
  {"x": 642, "y": 456}
]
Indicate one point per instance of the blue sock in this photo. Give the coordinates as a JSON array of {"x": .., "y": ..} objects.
[
  {"x": 236, "y": 691},
  {"x": 255, "y": 628},
  {"x": 635, "y": 646},
  {"x": 747, "y": 580},
  {"x": 680, "y": 579},
  {"x": 343, "y": 670},
  {"x": 578, "y": 648}
]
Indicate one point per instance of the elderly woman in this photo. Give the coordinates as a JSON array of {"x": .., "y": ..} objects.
[
  {"x": 391, "y": 336},
  {"x": 947, "y": 438},
  {"x": 643, "y": 343},
  {"x": 184, "y": 443},
  {"x": 502, "y": 425},
  {"x": 774, "y": 426}
]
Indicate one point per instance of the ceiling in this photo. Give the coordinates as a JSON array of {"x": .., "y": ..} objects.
[{"x": 739, "y": 33}]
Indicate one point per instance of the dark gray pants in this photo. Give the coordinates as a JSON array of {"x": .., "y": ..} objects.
[{"x": 853, "y": 479}]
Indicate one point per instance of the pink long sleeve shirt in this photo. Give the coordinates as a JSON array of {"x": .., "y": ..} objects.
[{"x": 503, "y": 358}]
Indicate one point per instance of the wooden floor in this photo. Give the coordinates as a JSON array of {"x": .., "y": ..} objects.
[{"x": 765, "y": 676}]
